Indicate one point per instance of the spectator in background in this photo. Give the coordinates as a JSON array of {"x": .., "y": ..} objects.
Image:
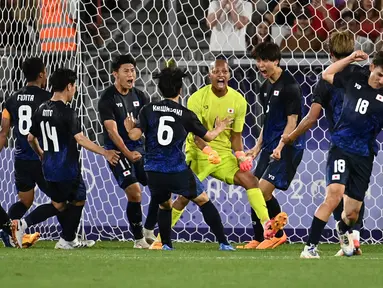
[
  {"x": 284, "y": 12},
  {"x": 324, "y": 17},
  {"x": 369, "y": 14},
  {"x": 303, "y": 38},
  {"x": 228, "y": 19},
  {"x": 351, "y": 23},
  {"x": 262, "y": 33}
]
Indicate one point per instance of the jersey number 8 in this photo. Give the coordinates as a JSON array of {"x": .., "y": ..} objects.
[
  {"x": 25, "y": 119},
  {"x": 162, "y": 138}
]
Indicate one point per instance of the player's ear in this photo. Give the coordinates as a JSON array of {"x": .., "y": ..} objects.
[{"x": 372, "y": 67}]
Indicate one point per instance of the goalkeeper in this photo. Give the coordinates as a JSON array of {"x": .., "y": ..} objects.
[{"x": 217, "y": 159}]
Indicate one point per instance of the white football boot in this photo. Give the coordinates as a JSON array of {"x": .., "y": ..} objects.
[
  {"x": 310, "y": 252},
  {"x": 149, "y": 236},
  {"x": 141, "y": 244},
  {"x": 346, "y": 242}
]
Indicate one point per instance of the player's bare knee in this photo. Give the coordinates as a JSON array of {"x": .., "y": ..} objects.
[
  {"x": 180, "y": 203},
  {"x": 59, "y": 205},
  {"x": 201, "y": 199},
  {"x": 133, "y": 192},
  {"x": 167, "y": 205}
]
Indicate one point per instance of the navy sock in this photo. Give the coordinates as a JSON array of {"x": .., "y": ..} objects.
[
  {"x": 69, "y": 221},
  {"x": 212, "y": 218},
  {"x": 343, "y": 227},
  {"x": 151, "y": 219},
  {"x": 41, "y": 213},
  {"x": 316, "y": 230},
  {"x": 164, "y": 225},
  {"x": 134, "y": 213},
  {"x": 274, "y": 209},
  {"x": 5, "y": 222},
  {"x": 338, "y": 211},
  {"x": 257, "y": 227},
  {"x": 17, "y": 210}
]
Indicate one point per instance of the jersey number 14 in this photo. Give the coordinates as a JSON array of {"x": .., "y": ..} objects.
[{"x": 51, "y": 132}]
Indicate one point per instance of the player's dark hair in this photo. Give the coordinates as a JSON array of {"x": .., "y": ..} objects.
[
  {"x": 61, "y": 78},
  {"x": 267, "y": 51},
  {"x": 120, "y": 60},
  {"x": 32, "y": 67},
  {"x": 170, "y": 81},
  {"x": 378, "y": 59}
]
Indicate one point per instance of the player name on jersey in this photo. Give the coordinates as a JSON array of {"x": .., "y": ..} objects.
[
  {"x": 25, "y": 97},
  {"x": 157, "y": 108},
  {"x": 47, "y": 113}
]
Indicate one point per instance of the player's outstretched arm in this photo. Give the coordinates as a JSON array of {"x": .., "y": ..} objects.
[
  {"x": 32, "y": 140},
  {"x": 111, "y": 128},
  {"x": 338, "y": 66},
  {"x": 110, "y": 155},
  {"x": 306, "y": 123},
  {"x": 5, "y": 128}
]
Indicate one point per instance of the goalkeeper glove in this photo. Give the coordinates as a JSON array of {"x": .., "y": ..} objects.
[
  {"x": 213, "y": 156},
  {"x": 245, "y": 163}
]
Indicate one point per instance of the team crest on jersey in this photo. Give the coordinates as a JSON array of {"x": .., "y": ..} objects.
[
  {"x": 126, "y": 173},
  {"x": 119, "y": 105},
  {"x": 230, "y": 110},
  {"x": 379, "y": 98},
  {"x": 136, "y": 103},
  {"x": 276, "y": 93}
]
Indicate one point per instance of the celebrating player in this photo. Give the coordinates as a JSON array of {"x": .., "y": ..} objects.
[
  {"x": 282, "y": 102},
  {"x": 118, "y": 101},
  {"x": 208, "y": 103},
  {"x": 166, "y": 125},
  {"x": 58, "y": 128},
  {"x": 351, "y": 157},
  {"x": 341, "y": 45},
  {"x": 18, "y": 112}
]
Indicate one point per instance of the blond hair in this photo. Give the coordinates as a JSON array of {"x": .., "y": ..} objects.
[{"x": 341, "y": 44}]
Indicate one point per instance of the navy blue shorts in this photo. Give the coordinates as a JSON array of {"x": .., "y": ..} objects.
[
  {"x": 279, "y": 173},
  {"x": 28, "y": 173},
  {"x": 185, "y": 183},
  {"x": 351, "y": 170},
  {"x": 127, "y": 173},
  {"x": 72, "y": 190}
]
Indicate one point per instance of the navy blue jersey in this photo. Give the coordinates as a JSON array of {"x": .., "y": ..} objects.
[
  {"x": 331, "y": 97},
  {"x": 280, "y": 100},
  {"x": 114, "y": 106},
  {"x": 166, "y": 125},
  {"x": 361, "y": 119},
  {"x": 55, "y": 124},
  {"x": 21, "y": 107}
]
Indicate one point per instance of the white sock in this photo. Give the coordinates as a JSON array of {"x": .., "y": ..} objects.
[
  {"x": 23, "y": 224},
  {"x": 356, "y": 235}
]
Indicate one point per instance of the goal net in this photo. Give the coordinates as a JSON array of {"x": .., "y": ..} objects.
[{"x": 152, "y": 31}]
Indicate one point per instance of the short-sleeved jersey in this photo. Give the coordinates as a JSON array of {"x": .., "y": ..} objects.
[
  {"x": 361, "y": 119},
  {"x": 280, "y": 100},
  {"x": 166, "y": 125},
  {"x": 55, "y": 124},
  {"x": 21, "y": 107},
  {"x": 331, "y": 97},
  {"x": 115, "y": 106},
  {"x": 207, "y": 106}
]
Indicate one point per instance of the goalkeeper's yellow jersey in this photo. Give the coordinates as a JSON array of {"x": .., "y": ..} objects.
[{"x": 207, "y": 106}]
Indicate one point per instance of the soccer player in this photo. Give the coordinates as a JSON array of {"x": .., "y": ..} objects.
[
  {"x": 118, "y": 101},
  {"x": 166, "y": 125},
  {"x": 56, "y": 124},
  {"x": 208, "y": 103},
  {"x": 341, "y": 45},
  {"x": 351, "y": 157},
  {"x": 282, "y": 102},
  {"x": 18, "y": 112}
]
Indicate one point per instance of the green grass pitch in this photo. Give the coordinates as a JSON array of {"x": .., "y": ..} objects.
[{"x": 116, "y": 264}]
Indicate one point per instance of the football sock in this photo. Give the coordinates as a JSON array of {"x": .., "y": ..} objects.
[
  {"x": 257, "y": 227},
  {"x": 72, "y": 221},
  {"x": 151, "y": 219},
  {"x": 17, "y": 210},
  {"x": 40, "y": 214},
  {"x": 134, "y": 213},
  {"x": 257, "y": 202},
  {"x": 176, "y": 215},
  {"x": 343, "y": 227},
  {"x": 338, "y": 211},
  {"x": 212, "y": 218},
  {"x": 164, "y": 225},
  {"x": 274, "y": 209},
  {"x": 5, "y": 222},
  {"x": 316, "y": 229},
  {"x": 359, "y": 223}
]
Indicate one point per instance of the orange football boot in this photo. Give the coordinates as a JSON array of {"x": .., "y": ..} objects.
[
  {"x": 156, "y": 245},
  {"x": 274, "y": 225},
  {"x": 251, "y": 245},
  {"x": 30, "y": 239},
  {"x": 272, "y": 243}
]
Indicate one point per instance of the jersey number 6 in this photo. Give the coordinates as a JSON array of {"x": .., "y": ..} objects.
[{"x": 162, "y": 138}]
